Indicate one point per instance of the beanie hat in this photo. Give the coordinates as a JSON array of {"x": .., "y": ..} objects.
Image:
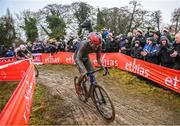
[
  {"x": 164, "y": 38},
  {"x": 158, "y": 33},
  {"x": 151, "y": 39}
]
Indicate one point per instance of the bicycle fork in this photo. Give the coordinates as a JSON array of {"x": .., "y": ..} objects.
[{"x": 100, "y": 98}]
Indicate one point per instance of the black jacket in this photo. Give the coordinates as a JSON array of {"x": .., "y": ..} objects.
[
  {"x": 135, "y": 52},
  {"x": 164, "y": 56},
  {"x": 177, "y": 58}
]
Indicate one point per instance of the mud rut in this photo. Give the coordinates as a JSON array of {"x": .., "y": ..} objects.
[{"x": 71, "y": 110}]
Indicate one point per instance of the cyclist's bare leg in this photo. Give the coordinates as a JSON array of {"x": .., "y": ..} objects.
[
  {"x": 78, "y": 85},
  {"x": 80, "y": 80}
]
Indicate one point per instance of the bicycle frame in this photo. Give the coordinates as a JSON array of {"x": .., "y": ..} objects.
[{"x": 88, "y": 93}]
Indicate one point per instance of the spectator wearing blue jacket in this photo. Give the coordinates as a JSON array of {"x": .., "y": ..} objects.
[
  {"x": 10, "y": 52},
  {"x": 105, "y": 32},
  {"x": 150, "y": 51},
  {"x": 109, "y": 39}
]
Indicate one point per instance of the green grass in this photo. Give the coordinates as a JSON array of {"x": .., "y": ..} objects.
[
  {"x": 135, "y": 87},
  {"x": 40, "y": 107},
  {"x": 6, "y": 90},
  {"x": 40, "y": 102}
]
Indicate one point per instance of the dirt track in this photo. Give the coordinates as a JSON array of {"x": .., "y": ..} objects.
[{"x": 131, "y": 109}]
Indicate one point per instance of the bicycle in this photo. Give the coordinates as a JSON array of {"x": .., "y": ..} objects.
[
  {"x": 36, "y": 71},
  {"x": 99, "y": 97}
]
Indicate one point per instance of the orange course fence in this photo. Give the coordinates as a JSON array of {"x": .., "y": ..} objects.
[
  {"x": 17, "y": 109},
  {"x": 164, "y": 76}
]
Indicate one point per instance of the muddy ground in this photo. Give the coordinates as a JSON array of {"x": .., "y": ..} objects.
[{"x": 137, "y": 102}]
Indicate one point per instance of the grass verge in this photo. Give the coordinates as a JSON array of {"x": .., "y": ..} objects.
[
  {"x": 40, "y": 107},
  {"x": 6, "y": 90}
]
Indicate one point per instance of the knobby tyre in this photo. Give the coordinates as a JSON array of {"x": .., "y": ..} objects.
[
  {"x": 103, "y": 103},
  {"x": 36, "y": 71}
]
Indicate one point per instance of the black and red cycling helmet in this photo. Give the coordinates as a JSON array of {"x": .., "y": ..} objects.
[{"x": 95, "y": 38}]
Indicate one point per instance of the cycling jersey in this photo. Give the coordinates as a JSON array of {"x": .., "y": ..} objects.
[{"x": 81, "y": 56}]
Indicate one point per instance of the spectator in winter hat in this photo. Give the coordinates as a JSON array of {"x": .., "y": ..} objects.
[
  {"x": 164, "y": 51},
  {"x": 139, "y": 32},
  {"x": 150, "y": 33},
  {"x": 136, "y": 50},
  {"x": 109, "y": 39},
  {"x": 139, "y": 36},
  {"x": 166, "y": 33},
  {"x": 126, "y": 48},
  {"x": 157, "y": 36}
]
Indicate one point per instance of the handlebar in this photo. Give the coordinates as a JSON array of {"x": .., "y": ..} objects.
[{"x": 106, "y": 69}]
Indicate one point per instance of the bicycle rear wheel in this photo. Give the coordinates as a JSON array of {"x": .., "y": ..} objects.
[
  {"x": 103, "y": 103},
  {"x": 36, "y": 71}
]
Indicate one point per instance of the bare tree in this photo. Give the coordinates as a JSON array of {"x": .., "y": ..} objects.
[
  {"x": 176, "y": 19},
  {"x": 156, "y": 18},
  {"x": 135, "y": 5}
]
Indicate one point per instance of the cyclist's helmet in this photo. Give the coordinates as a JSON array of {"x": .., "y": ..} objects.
[{"x": 95, "y": 38}]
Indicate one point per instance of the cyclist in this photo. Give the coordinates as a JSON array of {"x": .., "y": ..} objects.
[
  {"x": 81, "y": 58},
  {"x": 22, "y": 52}
]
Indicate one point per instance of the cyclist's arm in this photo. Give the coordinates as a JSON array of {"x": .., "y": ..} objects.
[
  {"x": 98, "y": 57},
  {"x": 79, "y": 60}
]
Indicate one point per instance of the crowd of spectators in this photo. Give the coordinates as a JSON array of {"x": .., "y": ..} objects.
[{"x": 152, "y": 46}]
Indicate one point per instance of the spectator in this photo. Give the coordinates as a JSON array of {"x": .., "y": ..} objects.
[
  {"x": 29, "y": 46},
  {"x": 109, "y": 39},
  {"x": 136, "y": 50},
  {"x": 87, "y": 24},
  {"x": 10, "y": 52},
  {"x": 105, "y": 32},
  {"x": 156, "y": 37},
  {"x": 114, "y": 46},
  {"x": 126, "y": 48},
  {"x": 122, "y": 40},
  {"x": 129, "y": 34},
  {"x": 61, "y": 45},
  {"x": 37, "y": 47},
  {"x": 45, "y": 46},
  {"x": 150, "y": 51},
  {"x": 176, "y": 52},
  {"x": 2, "y": 51},
  {"x": 150, "y": 33},
  {"x": 167, "y": 34},
  {"x": 164, "y": 51},
  {"x": 70, "y": 46},
  {"x": 140, "y": 37},
  {"x": 52, "y": 46}
]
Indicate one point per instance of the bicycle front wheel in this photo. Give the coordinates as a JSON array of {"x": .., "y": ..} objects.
[
  {"x": 36, "y": 71},
  {"x": 103, "y": 103}
]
